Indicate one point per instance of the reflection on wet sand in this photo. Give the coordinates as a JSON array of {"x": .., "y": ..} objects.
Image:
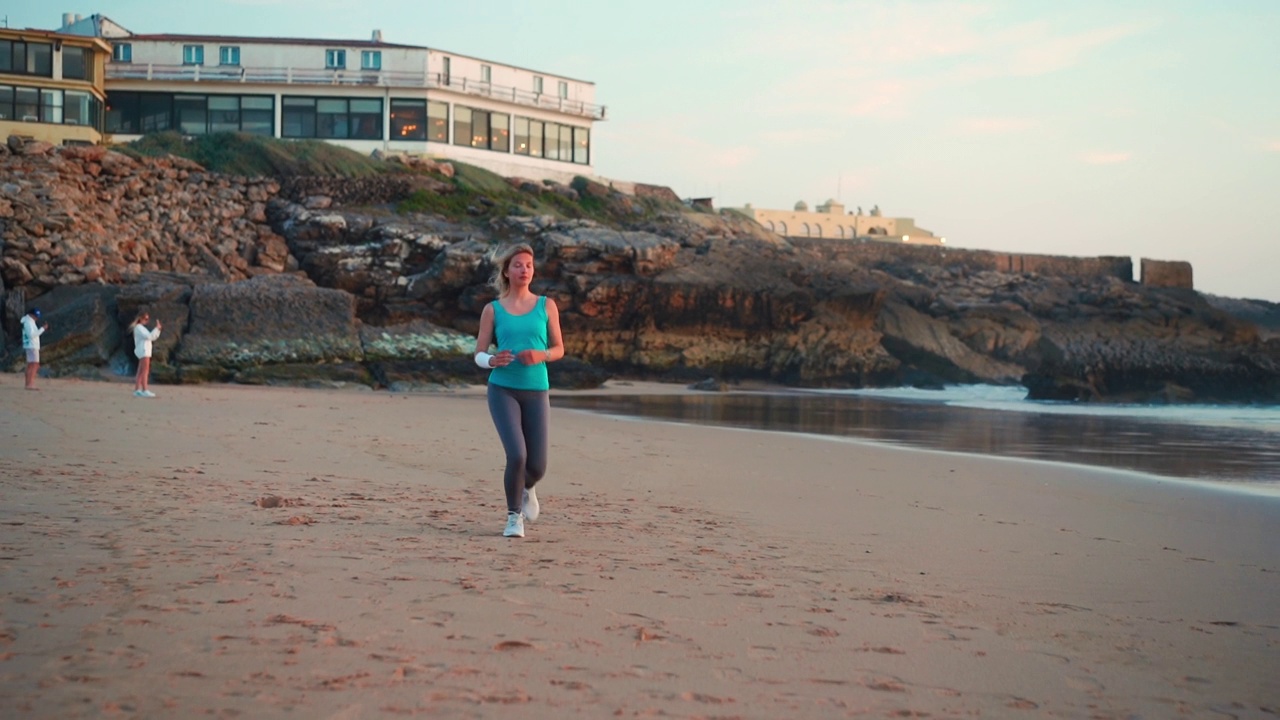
[{"x": 1169, "y": 449}]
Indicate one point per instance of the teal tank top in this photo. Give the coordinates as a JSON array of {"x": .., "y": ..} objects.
[{"x": 516, "y": 333}]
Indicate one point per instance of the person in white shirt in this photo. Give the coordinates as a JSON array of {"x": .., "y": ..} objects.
[
  {"x": 31, "y": 343},
  {"x": 142, "y": 339}
]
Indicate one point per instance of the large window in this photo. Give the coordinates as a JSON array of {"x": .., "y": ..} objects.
[
  {"x": 77, "y": 63},
  {"x": 229, "y": 55},
  {"x": 335, "y": 59},
  {"x": 370, "y": 59},
  {"x": 122, "y": 52},
  {"x": 437, "y": 121},
  {"x": 486, "y": 73},
  {"x": 408, "y": 119},
  {"x": 537, "y": 84},
  {"x": 49, "y": 106},
  {"x": 192, "y": 54},
  {"x": 331, "y": 118},
  {"x": 552, "y": 141},
  {"x": 481, "y": 129},
  {"x": 135, "y": 113},
  {"x": 24, "y": 58},
  {"x": 80, "y": 108}
]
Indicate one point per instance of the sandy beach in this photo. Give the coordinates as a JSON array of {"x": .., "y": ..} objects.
[{"x": 254, "y": 552}]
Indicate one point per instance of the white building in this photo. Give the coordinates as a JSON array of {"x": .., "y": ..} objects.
[{"x": 362, "y": 94}]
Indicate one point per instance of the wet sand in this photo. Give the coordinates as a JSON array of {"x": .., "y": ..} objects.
[{"x": 231, "y": 551}]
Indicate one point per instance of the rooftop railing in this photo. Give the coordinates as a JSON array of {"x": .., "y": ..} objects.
[{"x": 377, "y": 78}]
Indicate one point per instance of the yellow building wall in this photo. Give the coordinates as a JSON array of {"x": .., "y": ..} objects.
[
  {"x": 799, "y": 223},
  {"x": 50, "y": 133}
]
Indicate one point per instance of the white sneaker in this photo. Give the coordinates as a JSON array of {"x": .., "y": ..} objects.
[
  {"x": 529, "y": 508},
  {"x": 515, "y": 525},
  {"x": 138, "y": 393},
  {"x": 148, "y": 393}
]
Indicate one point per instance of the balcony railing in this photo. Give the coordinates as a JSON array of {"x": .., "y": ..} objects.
[{"x": 377, "y": 78}]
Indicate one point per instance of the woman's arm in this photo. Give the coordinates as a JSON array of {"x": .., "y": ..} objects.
[
  {"x": 555, "y": 342},
  {"x": 485, "y": 339}
]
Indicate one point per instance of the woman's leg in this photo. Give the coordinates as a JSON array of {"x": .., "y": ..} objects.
[
  {"x": 137, "y": 376},
  {"x": 504, "y": 408},
  {"x": 535, "y": 414},
  {"x": 144, "y": 373}
]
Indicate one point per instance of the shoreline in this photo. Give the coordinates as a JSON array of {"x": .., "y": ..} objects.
[{"x": 679, "y": 570}]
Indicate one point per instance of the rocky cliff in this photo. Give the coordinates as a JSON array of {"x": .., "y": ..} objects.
[{"x": 259, "y": 285}]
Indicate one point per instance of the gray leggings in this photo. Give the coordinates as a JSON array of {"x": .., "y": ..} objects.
[{"x": 521, "y": 419}]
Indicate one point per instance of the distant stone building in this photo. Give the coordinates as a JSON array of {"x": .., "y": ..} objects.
[{"x": 831, "y": 220}]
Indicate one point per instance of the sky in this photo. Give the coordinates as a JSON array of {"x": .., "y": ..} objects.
[{"x": 1142, "y": 128}]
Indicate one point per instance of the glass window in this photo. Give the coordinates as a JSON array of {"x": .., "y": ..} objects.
[
  {"x": 298, "y": 117},
  {"x": 122, "y": 112},
  {"x": 521, "y": 132},
  {"x": 40, "y": 59},
  {"x": 486, "y": 73},
  {"x": 551, "y": 145},
  {"x": 582, "y": 146},
  {"x": 564, "y": 89},
  {"x": 566, "y": 143},
  {"x": 258, "y": 115},
  {"x": 366, "y": 120},
  {"x": 78, "y": 108},
  {"x": 122, "y": 52},
  {"x": 408, "y": 119},
  {"x": 335, "y": 59},
  {"x": 479, "y": 129},
  {"x": 371, "y": 60},
  {"x": 6, "y": 56},
  {"x": 331, "y": 118},
  {"x": 536, "y": 130},
  {"x": 192, "y": 112},
  {"x": 26, "y": 104},
  {"x": 224, "y": 113},
  {"x": 156, "y": 112},
  {"x": 6, "y": 102},
  {"x": 75, "y": 63},
  {"x": 51, "y": 106},
  {"x": 192, "y": 54},
  {"x": 461, "y": 125},
  {"x": 229, "y": 55},
  {"x": 500, "y": 132},
  {"x": 438, "y": 117},
  {"x": 537, "y": 84},
  {"x": 448, "y": 64}
]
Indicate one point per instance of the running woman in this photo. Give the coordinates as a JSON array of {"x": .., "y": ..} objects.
[{"x": 526, "y": 330}]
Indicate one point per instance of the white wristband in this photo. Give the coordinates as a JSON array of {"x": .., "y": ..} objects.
[{"x": 482, "y": 359}]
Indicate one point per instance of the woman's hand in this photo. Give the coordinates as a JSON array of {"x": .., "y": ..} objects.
[
  {"x": 501, "y": 358},
  {"x": 531, "y": 357}
]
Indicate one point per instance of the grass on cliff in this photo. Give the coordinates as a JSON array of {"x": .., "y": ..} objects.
[
  {"x": 484, "y": 194},
  {"x": 253, "y": 155}
]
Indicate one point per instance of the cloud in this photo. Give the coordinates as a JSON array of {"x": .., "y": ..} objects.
[
  {"x": 995, "y": 125},
  {"x": 879, "y": 60},
  {"x": 1105, "y": 158}
]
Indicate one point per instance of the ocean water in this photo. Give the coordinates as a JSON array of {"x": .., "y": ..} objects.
[{"x": 1219, "y": 444}]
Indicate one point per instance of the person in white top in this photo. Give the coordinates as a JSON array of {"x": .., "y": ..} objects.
[
  {"x": 31, "y": 343},
  {"x": 142, "y": 339}
]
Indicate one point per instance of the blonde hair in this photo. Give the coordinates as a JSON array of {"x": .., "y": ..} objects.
[
  {"x": 500, "y": 282},
  {"x": 138, "y": 318}
]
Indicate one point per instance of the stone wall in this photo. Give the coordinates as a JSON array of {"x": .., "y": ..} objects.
[
  {"x": 73, "y": 215},
  {"x": 872, "y": 253},
  {"x": 1166, "y": 273}
]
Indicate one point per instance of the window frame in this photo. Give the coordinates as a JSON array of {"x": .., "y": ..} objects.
[
  {"x": 193, "y": 55},
  {"x": 122, "y": 52},
  {"x": 486, "y": 73},
  {"x": 335, "y": 59},
  {"x": 86, "y": 62},
  {"x": 562, "y": 90},
  {"x": 28, "y": 59},
  {"x": 325, "y": 121},
  {"x": 371, "y": 55},
  {"x": 537, "y": 84},
  {"x": 229, "y": 55}
]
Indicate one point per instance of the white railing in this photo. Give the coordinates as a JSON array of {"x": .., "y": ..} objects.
[{"x": 379, "y": 78}]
